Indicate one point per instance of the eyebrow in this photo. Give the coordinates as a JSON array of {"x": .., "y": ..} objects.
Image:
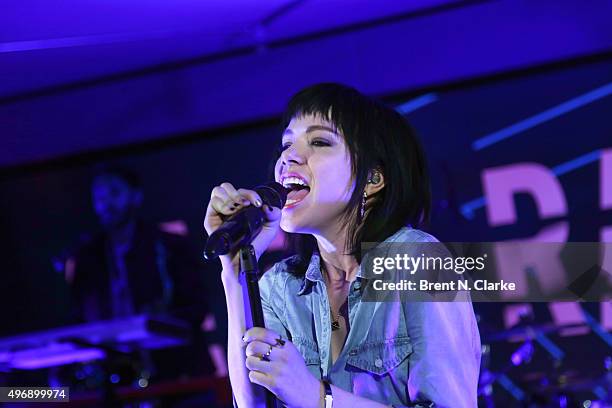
[{"x": 313, "y": 128}]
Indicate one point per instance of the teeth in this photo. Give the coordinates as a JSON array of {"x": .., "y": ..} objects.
[
  {"x": 291, "y": 201},
  {"x": 293, "y": 180}
]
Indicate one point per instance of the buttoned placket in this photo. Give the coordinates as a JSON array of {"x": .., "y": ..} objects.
[
  {"x": 315, "y": 287},
  {"x": 314, "y": 280},
  {"x": 354, "y": 298}
]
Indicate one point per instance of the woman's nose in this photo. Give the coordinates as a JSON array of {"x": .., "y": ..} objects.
[{"x": 292, "y": 155}]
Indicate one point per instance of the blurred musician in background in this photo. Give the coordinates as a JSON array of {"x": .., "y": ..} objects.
[{"x": 133, "y": 267}]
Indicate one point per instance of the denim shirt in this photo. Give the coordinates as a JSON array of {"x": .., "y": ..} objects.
[{"x": 414, "y": 354}]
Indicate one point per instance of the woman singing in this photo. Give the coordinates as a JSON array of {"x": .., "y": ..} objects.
[{"x": 357, "y": 174}]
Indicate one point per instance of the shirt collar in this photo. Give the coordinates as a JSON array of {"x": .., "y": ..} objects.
[
  {"x": 314, "y": 274},
  {"x": 313, "y": 271}
]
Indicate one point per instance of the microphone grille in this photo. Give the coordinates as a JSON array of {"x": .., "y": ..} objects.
[{"x": 273, "y": 194}]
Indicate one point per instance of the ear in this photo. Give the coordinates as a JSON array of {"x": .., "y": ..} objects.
[{"x": 376, "y": 182}]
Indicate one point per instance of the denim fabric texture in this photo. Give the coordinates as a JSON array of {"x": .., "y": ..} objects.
[{"x": 415, "y": 354}]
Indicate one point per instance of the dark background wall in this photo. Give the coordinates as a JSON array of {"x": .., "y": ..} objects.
[
  {"x": 133, "y": 72},
  {"x": 47, "y": 210}
]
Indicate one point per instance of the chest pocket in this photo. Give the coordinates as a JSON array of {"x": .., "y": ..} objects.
[{"x": 380, "y": 357}]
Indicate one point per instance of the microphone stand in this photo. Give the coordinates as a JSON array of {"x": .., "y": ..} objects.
[{"x": 253, "y": 313}]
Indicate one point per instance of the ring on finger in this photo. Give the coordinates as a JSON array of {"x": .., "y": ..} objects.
[{"x": 266, "y": 357}]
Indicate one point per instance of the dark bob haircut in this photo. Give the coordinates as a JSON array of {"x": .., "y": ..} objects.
[{"x": 378, "y": 138}]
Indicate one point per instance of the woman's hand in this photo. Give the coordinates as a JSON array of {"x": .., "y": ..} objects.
[
  {"x": 282, "y": 369},
  {"x": 226, "y": 201}
]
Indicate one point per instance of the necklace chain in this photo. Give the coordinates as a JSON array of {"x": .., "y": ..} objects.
[{"x": 335, "y": 323}]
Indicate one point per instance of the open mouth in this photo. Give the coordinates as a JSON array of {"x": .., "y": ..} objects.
[{"x": 299, "y": 189}]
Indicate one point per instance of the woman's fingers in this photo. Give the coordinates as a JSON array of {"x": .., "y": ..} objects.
[
  {"x": 271, "y": 213},
  {"x": 226, "y": 200},
  {"x": 220, "y": 192},
  {"x": 257, "y": 364},
  {"x": 264, "y": 335},
  {"x": 232, "y": 197},
  {"x": 251, "y": 196},
  {"x": 262, "y": 379},
  {"x": 258, "y": 348},
  {"x": 217, "y": 205},
  {"x": 234, "y": 194}
]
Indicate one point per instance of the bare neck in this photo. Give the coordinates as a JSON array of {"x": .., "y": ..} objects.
[{"x": 339, "y": 268}]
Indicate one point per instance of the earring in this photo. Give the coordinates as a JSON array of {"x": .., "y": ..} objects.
[
  {"x": 375, "y": 179},
  {"x": 363, "y": 204}
]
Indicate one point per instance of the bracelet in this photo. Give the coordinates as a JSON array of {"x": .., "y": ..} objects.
[{"x": 329, "y": 398}]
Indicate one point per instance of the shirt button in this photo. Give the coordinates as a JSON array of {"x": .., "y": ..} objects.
[
  {"x": 378, "y": 363},
  {"x": 353, "y": 353},
  {"x": 357, "y": 285}
]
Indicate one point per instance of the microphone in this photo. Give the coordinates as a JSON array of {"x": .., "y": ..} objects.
[{"x": 241, "y": 228}]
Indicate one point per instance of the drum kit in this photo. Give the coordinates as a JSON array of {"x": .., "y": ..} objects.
[
  {"x": 105, "y": 362},
  {"x": 534, "y": 365}
]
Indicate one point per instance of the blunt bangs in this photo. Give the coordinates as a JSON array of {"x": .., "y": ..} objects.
[{"x": 377, "y": 138}]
